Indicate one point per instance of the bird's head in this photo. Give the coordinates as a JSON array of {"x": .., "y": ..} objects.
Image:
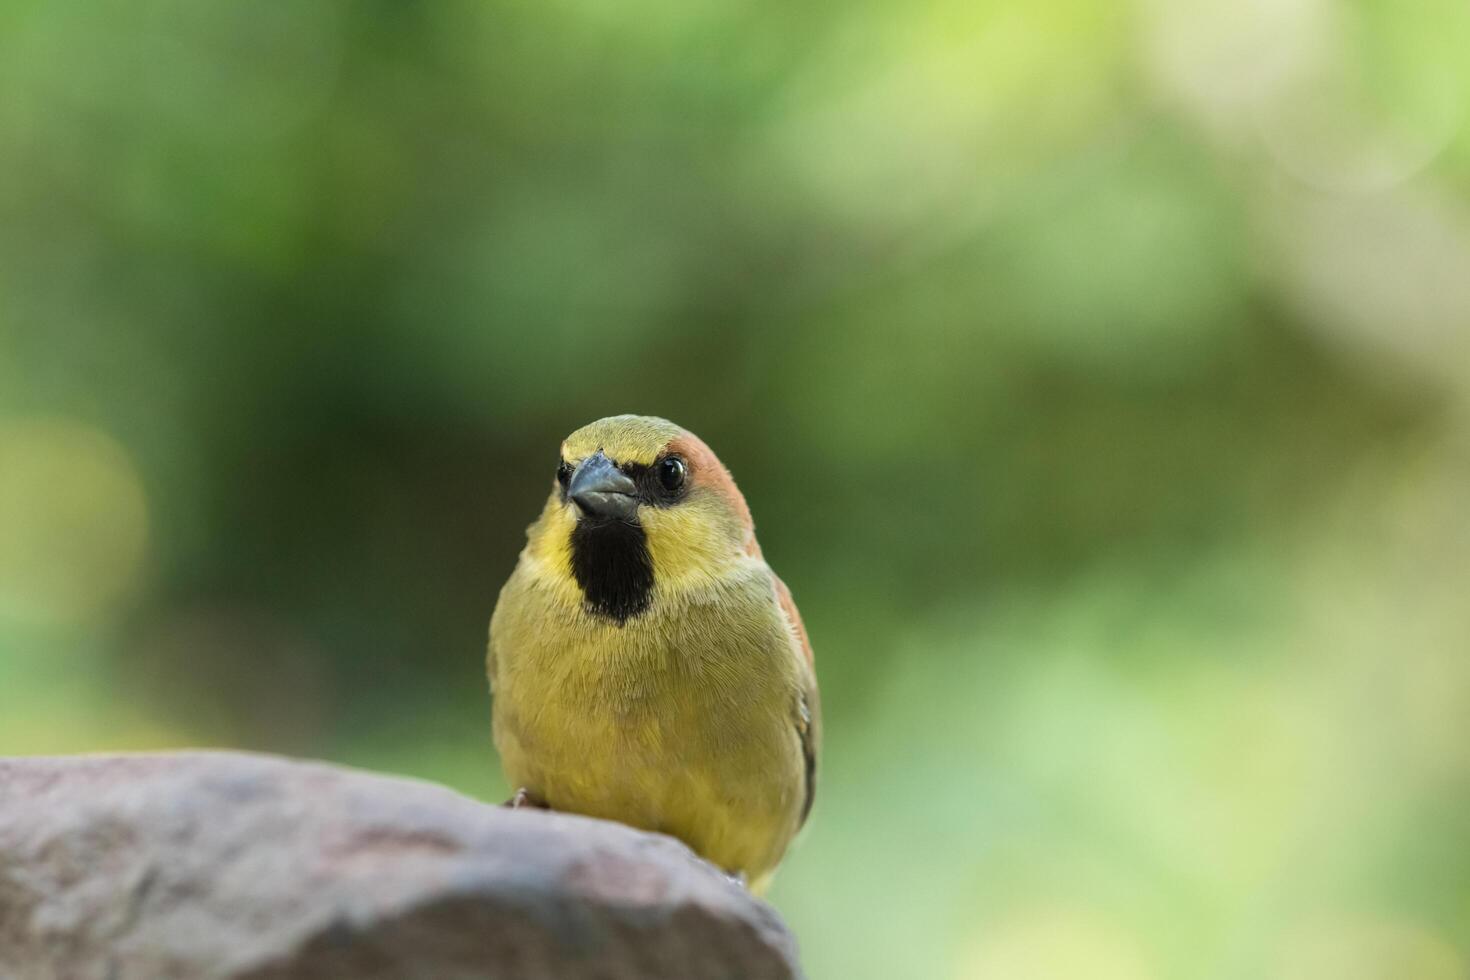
[{"x": 639, "y": 503}]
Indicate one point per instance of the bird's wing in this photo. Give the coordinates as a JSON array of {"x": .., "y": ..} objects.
[
  {"x": 808, "y": 706},
  {"x": 788, "y": 606}
]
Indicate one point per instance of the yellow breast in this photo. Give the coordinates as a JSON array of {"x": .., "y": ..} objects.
[{"x": 684, "y": 720}]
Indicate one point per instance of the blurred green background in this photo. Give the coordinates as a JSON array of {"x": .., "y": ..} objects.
[{"x": 1099, "y": 374}]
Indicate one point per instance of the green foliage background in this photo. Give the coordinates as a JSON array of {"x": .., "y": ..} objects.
[{"x": 1098, "y": 373}]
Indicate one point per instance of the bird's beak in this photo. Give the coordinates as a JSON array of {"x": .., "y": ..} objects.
[{"x": 603, "y": 492}]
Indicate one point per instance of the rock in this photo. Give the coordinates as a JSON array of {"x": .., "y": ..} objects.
[{"x": 216, "y": 864}]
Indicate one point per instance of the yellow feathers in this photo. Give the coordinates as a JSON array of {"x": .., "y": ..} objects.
[
  {"x": 637, "y": 439},
  {"x": 645, "y": 666}
]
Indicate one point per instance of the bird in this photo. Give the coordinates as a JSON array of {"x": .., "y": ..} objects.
[{"x": 646, "y": 665}]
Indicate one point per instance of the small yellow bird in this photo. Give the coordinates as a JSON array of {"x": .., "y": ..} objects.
[{"x": 647, "y": 665}]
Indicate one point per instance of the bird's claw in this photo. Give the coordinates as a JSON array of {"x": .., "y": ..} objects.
[{"x": 523, "y": 800}]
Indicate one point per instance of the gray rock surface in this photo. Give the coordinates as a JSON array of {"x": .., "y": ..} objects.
[{"x": 216, "y": 864}]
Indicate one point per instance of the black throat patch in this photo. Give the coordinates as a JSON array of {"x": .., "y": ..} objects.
[{"x": 610, "y": 561}]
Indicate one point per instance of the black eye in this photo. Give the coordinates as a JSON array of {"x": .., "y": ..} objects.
[
  {"x": 671, "y": 473},
  {"x": 564, "y": 474}
]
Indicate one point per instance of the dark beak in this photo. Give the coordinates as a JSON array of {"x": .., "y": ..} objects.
[{"x": 603, "y": 492}]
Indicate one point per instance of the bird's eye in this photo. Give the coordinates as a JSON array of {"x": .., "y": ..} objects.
[
  {"x": 564, "y": 473},
  {"x": 671, "y": 473}
]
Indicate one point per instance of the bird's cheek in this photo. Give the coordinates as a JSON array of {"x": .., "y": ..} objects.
[{"x": 687, "y": 548}]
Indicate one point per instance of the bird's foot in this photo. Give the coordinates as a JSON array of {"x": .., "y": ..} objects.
[{"x": 523, "y": 800}]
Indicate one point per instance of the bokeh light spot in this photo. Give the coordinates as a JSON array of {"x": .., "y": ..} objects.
[
  {"x": 1382, "y": 98},
  {"x": 1050, "y": 943},
  {"x": 1354, "y": 948},
  {"x": 73, "y": 521}
]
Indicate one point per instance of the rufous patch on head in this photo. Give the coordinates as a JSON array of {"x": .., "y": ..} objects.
[{"x": 706, "y": 470}]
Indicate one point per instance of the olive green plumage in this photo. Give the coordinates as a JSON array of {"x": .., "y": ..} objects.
[{"x": 684, "y": 702}]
